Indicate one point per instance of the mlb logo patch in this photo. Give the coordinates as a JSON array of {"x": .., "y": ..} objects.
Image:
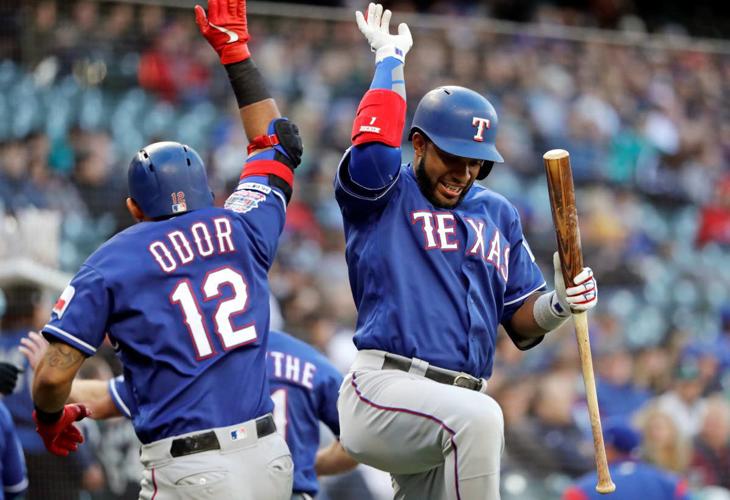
[
  {"x": 62, "y": 303},
  {"x": 178, "y": 202},
  {"x": 237, "y": 434}
]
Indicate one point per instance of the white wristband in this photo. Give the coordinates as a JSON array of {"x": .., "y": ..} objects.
[
  {"x": 548, "y": 312},
  {"x": 389, "y": 51}
]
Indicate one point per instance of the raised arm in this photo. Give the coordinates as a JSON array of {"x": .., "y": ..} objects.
[
  {"x": 275, "y": 148},
  {"x": 375, "y": 157}
]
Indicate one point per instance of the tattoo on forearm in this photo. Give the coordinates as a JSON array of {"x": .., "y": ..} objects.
[{"x": 60, "y": 355}]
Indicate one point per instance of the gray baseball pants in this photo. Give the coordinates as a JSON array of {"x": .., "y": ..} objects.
[
  {"x": 244, "y": 468},
  {"x": 438, "y": 441}
]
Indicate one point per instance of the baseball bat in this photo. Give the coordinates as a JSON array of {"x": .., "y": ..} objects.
[{"x": 565, "y": 218}]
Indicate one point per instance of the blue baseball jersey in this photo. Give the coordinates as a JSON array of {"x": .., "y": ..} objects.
[
  {"x": 304, "y": 388},
  {"x": 12, "y": 462},
  {"x": 633, "y": 480},
  {"x": 434, "y": 283},
  {"x": 185, "y": 302},
  {"x": 20, "y": 401}
]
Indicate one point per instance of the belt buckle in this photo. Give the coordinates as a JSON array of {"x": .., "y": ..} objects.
[{"x": 467, "y": 382}]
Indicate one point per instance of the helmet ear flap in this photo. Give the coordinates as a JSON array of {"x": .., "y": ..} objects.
[{"x": 484, "y": 171}]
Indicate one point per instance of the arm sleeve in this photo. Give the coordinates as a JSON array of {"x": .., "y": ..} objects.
[
  {"x": 120, "y": 395},
  {"x": 354, "y": 199},
  {"x": 79, "y": 317},
  {"x": 328, "y": 392},
  {"x": 524, "y": 279},
  {"x": 15, "y": 476}
]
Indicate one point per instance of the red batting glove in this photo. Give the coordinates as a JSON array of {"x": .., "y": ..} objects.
[
  {"x": 225, "y": 29},
  {"x": 62, "y": 436}
]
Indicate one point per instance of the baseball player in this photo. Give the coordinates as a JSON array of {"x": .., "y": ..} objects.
[
  {"x": 12, "y": 462},
  {"x": 304, "y": 386},
  {"x": 436, "y": 264},
  {"x": 183, "y": 295}
]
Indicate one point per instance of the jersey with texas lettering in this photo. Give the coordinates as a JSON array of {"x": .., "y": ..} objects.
[
  {"x": 185, "y": 302},
  {"x": 434, "y": 283},
  {"x": 304, "y": 388}
]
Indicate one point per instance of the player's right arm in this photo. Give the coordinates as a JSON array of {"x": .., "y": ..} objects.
[
  {"x": 275, "y": 148},
  {"x": 371, "y": 166}
]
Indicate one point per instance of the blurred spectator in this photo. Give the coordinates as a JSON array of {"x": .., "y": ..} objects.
[
  {"x": 617, "y": 393},
  {"x": 555, "y": 429},
  {"x": 663, "y": 445},
  {"x": 633, "y": 478},
  {"x": 714, "y": 223},
  {"x": 711, "y": 460},
  {"x": 17, "y": 190},
  {"x": 684, "y": 402}
]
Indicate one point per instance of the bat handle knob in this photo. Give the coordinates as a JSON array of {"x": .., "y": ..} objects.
[{"x": 606, "y": 487}]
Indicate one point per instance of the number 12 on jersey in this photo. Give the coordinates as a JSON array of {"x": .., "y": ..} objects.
[{"x": 184, "y": 296}]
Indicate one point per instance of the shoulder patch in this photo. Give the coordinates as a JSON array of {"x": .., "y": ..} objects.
[
  {"x": 255, "y": 186},
  {"x": 62, "y": 303},
  {"x": 244, "y": 201}
]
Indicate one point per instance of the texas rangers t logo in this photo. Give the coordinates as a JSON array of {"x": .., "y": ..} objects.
[{"x": 480, "y": 124}]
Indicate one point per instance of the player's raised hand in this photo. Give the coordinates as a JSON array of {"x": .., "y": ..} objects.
[
  {"x": 376, "y": 28},
  {"x": 33, "y": 348},
  {"x": 62, "y": 437},
  {"x": 225, "y": 28},
  {"x": 581, "y": 297}
]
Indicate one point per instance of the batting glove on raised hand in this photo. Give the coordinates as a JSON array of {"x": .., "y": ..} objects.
[
  {"x": 376, "y": 29},
  {"x": 579, "y": 298},
  {"x": 225, "y": 29},
  {"x": 62, "y": 436}
]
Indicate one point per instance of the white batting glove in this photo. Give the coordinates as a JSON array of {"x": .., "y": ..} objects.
[
  {"x": 579, "y": 298},
  {"x": 376, "y": 29}
]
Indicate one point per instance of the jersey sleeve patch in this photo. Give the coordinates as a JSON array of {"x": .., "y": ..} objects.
[
  {"x": 63, "y": 301},
  {"x": 245, "y": 200}
]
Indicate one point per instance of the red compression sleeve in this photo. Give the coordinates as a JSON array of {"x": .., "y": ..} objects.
[{"x": 380, "y": 117}]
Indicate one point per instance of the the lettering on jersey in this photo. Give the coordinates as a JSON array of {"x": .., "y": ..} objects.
[
  {"x": 223, "y": 232},
  {"x": 163, "y": 256},
  {"x": 427, "y": 227},
  {"x": 439, "y": 229},
  {"x": 203, "y": 240},
  {"x": 478, "y": 247},
  {"x": 290, "y": 368},
  {"x": 446, "y": 229},
  {"x": 182, "y": 246},
  {"x": 480, "y": 124},
  {"x": 439, "y": 232},
  {"x": 178, "y": 249}
]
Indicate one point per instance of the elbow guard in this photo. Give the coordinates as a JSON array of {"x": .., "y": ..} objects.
[
  {"x": 380, "y": 117},
  {"x": 279, "y": 162}
]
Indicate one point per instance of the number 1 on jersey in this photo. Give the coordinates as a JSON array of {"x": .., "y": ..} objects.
[{"x": 193, "y": 316}]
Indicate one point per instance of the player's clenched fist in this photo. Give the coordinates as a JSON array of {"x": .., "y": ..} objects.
[
  {"x": 376, "y": 28},
  {"x": 62, "y": 436},
  {"x": 225, "y": 28},
  {"x": 581, "y": 297}
]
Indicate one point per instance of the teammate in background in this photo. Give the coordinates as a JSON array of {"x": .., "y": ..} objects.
[
  {"x": 634, "y": 479},
  {"x": 304, "y": 386},
  {"x": 436, "y": 263},
  {"x": 12, "y": 463},
  {"x": 183, "y": 295}
]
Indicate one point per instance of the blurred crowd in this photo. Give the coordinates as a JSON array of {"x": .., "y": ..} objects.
[{"x": 86, "y": 84}]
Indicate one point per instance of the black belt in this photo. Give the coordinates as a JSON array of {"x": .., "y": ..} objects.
[
  {"x": 207, "y": 441},
  {"x": 437, "y": 374}
]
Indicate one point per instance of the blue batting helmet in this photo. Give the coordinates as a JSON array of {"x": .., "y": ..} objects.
[
  {"x": 166, "y": 178},
  {"x": 461, "y": 122}
]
